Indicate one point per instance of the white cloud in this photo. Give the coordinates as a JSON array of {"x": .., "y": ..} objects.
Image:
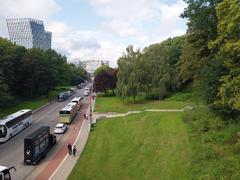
[{"x": 125, "y": 22}]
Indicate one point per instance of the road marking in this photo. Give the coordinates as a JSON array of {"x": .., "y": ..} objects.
[
  {"x": 67, "y": 153},
  {"x": 48, "y": 113}
]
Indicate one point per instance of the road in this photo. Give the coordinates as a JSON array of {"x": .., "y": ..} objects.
[{"x": 11, "y": 152}]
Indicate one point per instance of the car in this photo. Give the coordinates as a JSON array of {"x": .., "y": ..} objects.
[
  {"x": 69, "y": 93},
  {"x": 60, "y": 128}
]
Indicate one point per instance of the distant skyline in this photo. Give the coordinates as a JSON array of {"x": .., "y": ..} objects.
[{"x": 99, "y": 29}]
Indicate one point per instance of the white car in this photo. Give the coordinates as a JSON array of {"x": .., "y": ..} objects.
[{"x": 60, "y": 128}]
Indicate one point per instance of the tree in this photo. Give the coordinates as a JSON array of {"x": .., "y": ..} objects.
[
  {"x": 105, "y": 78},
  {"x": 228, "y": 43},
  {"x": 36, "y": 77},
  {"x": 162, "y": 75},
  {"x": 202, "y": 29},
  {"x": 128, "y": 74}
]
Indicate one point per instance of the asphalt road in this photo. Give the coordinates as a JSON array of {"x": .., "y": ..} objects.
[{"x": 11, "y": 152}]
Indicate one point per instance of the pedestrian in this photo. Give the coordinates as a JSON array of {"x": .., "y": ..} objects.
[
  {"x": 74, "y": 150},
  {"x": 69, "y": 149},
  {"x": 84, "y": 115}
]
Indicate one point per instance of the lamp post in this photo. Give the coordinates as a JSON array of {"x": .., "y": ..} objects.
[{"x": 90, "y": 96}]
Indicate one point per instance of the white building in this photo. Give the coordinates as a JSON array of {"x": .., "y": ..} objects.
[{"x": 91, "y": 65}]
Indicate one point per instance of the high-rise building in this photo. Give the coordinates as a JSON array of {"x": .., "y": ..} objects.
[{"x": 29, "y": 33}]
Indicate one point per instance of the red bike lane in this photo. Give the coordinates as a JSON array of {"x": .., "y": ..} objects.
[{"x": 58, "y": 158}]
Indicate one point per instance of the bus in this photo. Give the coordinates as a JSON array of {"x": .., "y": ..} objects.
[
  {"x": 68, "y": 113},
  {"x": 5, "y": 172},
  {"x": 78, "y": 101},
  {"x": 62, "y": 96},
  {"x": 14, "y": 123},
  {"x": 37, "y": 145}
]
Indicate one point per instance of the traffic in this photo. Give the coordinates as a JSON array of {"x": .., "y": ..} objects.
[{"x": 33, "y": 133}]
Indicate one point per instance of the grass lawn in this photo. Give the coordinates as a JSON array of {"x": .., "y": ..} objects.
[
  {"x": 149, "y": 145},
  {"x": 114, "y": 104},
  {"x": 33, "y": 104}
]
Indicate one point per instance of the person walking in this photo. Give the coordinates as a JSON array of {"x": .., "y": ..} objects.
[
  {"x": 69, "y": 149},
  {"x": 74, "y": 150}
]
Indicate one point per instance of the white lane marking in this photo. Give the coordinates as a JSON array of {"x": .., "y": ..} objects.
[
  {"x": 47, "y": 113},
  {"x": 67, "y": 153}
]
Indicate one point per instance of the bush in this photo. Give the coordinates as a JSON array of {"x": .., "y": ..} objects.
[{"x": 215, "y": 145}]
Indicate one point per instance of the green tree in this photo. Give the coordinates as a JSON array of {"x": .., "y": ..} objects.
[
  {"x": 128, "y": 76},
  {"x": 202, "y": 29},
  {"x": 228, "y": 43},
  {"x": 36, "y": 76}
]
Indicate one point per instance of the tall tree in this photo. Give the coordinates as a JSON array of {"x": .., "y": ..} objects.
[
  {"x": 202, "y": 28},
  {"x": 228, "y": 43},
  {"x": 128, "y": 77}
]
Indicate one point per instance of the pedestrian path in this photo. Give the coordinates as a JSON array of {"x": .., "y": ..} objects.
[
  {"x": 97, "y": 115},
  {"x": 69, "y": 161}
]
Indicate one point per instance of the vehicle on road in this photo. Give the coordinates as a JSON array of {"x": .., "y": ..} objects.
[
  {"x": 14, "y": 123},
  {"x": 86, "y": 93},
  {"x": 69, "y": 93},
  {"x": 68, "y": 113},
  {"x": 60, "y": 128},
  {"x": 37, "y": 145},
  {"x": 62, "y": 96},
  {"x": 5, "y": 172},
  {"x": 78, "y": 101}
]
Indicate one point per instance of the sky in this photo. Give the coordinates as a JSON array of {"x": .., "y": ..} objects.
[{"x": 99, "y": 29}]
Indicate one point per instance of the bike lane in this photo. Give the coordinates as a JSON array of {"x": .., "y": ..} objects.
[{"x": 61, "y": 154}]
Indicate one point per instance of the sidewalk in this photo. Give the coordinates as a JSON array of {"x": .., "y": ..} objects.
[{"x": 67, "y": 164}]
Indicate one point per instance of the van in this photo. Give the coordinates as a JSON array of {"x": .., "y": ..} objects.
[{"x": 86, "y": 92}]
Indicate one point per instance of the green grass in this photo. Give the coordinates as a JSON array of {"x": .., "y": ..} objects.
[
  {"x": 215, "y": 145},
  {"x": 31, "y": 104},
  {"x": 53, "y": 93},
  {"x": 140, "y": 146},
  {"x": 114, "y": 104},
  {"x": 34, "y": 103}
]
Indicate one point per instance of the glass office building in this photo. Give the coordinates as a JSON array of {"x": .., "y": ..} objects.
[{"x": 29, "y": 33}]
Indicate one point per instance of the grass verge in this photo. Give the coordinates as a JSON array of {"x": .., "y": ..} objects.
[
  {"x": 33, "y": 103},
  {"x": 140, "y": 146},
  {"x": 114, "y": 104}
]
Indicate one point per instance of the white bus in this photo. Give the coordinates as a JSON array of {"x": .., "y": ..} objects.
[
  {"x": 14, "y": 123},
  {"x": 5, "y": 172},
  {"x": 78, "y": 101}
]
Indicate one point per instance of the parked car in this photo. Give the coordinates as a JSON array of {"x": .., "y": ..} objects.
[{"x": 60, "y": 128}]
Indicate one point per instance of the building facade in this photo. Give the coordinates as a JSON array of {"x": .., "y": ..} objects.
[
  {"x": 29, "y": 33},
  {"x": 91, "y": 65}
]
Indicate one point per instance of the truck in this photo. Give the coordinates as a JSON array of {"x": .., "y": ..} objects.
[
  {"x": 5, "y": 172},
  {"x": 37, "y": 145}
]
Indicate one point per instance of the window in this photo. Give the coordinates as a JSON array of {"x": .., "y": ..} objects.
[{"x": 7, "y": 176}]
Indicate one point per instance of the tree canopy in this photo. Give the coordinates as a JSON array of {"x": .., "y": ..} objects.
[{"x": 32, "y": 73}]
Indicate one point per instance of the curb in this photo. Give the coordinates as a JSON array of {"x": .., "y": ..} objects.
[{"x": 45, "y": 105}]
